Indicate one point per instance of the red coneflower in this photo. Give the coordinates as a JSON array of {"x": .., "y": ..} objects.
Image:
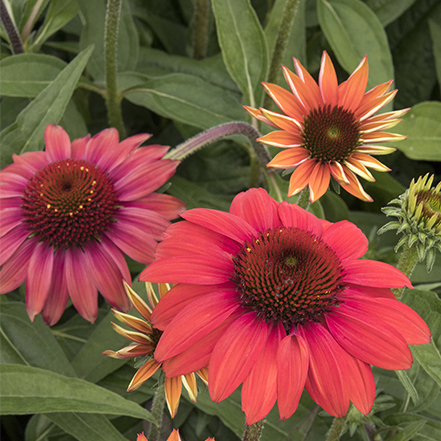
[
  {"x": 270, "y": 296},
  {"x": 71, "y": 212},
  {"x": 328, "y": 129}
]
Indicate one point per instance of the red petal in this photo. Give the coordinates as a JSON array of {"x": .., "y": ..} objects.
[
  {"x": 292, "y": 215},
  {"x": 328, "y": 81}
]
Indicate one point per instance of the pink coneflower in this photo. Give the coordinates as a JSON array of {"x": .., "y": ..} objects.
[
  {"x": 270, "y": 296},
  {"x": 70, "y": 213},
  {"x": 329, "y": 129}
]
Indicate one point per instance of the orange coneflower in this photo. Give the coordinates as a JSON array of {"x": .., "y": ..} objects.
[{"x": 328, "y": 129}]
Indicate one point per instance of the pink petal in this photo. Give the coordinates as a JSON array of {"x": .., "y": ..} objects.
[
  {"x": 57, "y": 143},
  {"x": 292, "y": 215},
  {"x": 235, "y": 354},
  {"x": 372, "y": 273},
  {"x": 368, "y": 338},
  {"x": 227, "y": 224},
  {"x": 292, "y": 365},
  {"x": 195, "y": 321},
  {"x": 15, "y": 269},
  {"x": 369, "y": 292},
  {"x": 27, "y": 164},
  {"x": 58, "y": 295},
  {"x": 39, "y": 279},
  {"x": 163, "y": 204},
  {"x": 327, "y": 382},
  {"x": 346, "y": 240},
  {"x": 81, "y": 289},
  {"x": 102, "y": 144},
  {"x": 10, "y": 218},
  {"x": 257, "y": 208},
  {"x": 178, "y": 298},
  {"x": 106, "y": 276},
  {"x": 78, "y": 147},
  {"x": 259, "y": 391},
  {"x": 11, "y": 241}
]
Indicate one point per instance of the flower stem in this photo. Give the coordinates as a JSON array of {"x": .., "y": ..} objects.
[
  {"x": 406, "y": 264},
  {"x": 303, "y": 201},
  {"x": 200, "y": 33},
  {"x": 113, "y": 101},
  {"x": 253, "y": 432},
  {"x": 334, "y": 433},
  {"x": 11, "y": 30},
  {"x": 289, "y": 13},
  {"x": 157, "y": 412}
]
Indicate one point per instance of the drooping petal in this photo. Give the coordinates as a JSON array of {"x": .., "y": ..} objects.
[
  {"x": 57, "y": 143},
  {"x": 143, "y": 374},
  {"x": 292, "y": 370},
  {"x": 189, "y": 382},
  {"x": 81, "y": 289},
  {"x": 338, "y": 173},
  {"x": 319, "y": 182},
  {"x": 259, "y": 390},
  {"x": 173, "y": 389},
  {"x": 10, "y": 242},
  {"x": 11, "y": 218},
  {"x": 39, "y": 278},
  {"x": 235, "y": 354},
  {"x": 354, "y": 187}
]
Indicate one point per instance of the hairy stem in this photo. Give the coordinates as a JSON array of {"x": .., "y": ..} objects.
[
  {"x": 336, "y": 429},
  {"x": 157, "y": 412},
  {"x": 113, "y": 100},
  {"x": 253, "y": 432},
  {"x": 200, "y": 32},
  {"x": 406, "y": 264},
  {"x": 11, "y": 30}
]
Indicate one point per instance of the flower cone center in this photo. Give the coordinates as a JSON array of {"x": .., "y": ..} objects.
[
  {"x": 288, "y": 275},
  {"x": 331, "y": 133},
  {"x": 69, "y": 202}
]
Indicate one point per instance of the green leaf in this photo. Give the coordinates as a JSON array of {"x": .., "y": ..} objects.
[
  {"x": 353, "y": 31},
  {"x": 94, "y": 15},
  {"x": 27, "y": 390},
  {"x": 422, "y": 126},
  {"x": 26, "y": 75},
  {"x": 435, "y": 32},
  {"x": 408, "y": 385},
  {"x": 431, "y": 431},
  {"x": 243, "y": 45},
  {"x": 408, "y": 432},
  {"x": 27, "y": 343},
  {"x": 90, "y": 364},
  {"x": 60, "y": 12},
  {"x": 187, "y": 99},
  {"x": 26, "y": 134},
  {"x": 86, "y": 427},
  {"x": 388, "y": 11}
]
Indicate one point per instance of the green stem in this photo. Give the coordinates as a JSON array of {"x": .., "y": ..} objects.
[
  {"x": 303, "y": 201},
  {"x": 11, "y": 30},
  {"x": 253, "y": 432},
  {"x": 200, "y": 31},
  {"x": 113, "y": 100},
  {"x": 406, "y": 264},
  {"x": 157, "y": 412},
  {"x": 334, "y": 433},
  {"x": 289, "y": 13}
]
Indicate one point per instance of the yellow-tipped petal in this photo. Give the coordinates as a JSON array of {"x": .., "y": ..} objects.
[
  {"x": 289, "y": 158},
  {"x": 189, "y": 382},
  {"x": 137, "y": 337},
  {"x": 282, "y": 121},
  {"x": 203, "y": 374},
  {"x": 137, "y": 301},
  {"x": 281, "y": 139},
  {"x": 355, "y": 188},
  {"x": 380, "y": 125},
  {"x": 256, "y": 113},
  {"x": 134, "y": 322},
  {"x": 143, "y": 374},
  {"x": 174, "y": 436},
  {"x": 370, "y": 162},
  {"x": 173, "y": 389},
  {"x": 382, "y": 137},
  {"x": 375, "y": 150},
  {"x": 338, "y": 173},
  {"x": 359, "y": 169},
  {"x": 132, "y": 351}
]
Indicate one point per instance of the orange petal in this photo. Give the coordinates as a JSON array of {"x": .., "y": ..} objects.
[
  {"x": 256, "y": 113},
  {"x": 281, "y": 139},
  {"x": 338, "y": 173},
  {"x": 174, "y": 436},
  {"x": 368, "y": 127},
  {"x": 173, "y": 389},
  {"x": 368, "y": 108},
  {"x": 310, "y": 83},
  {"x": 354, "y": 187},
  {"x": 134, "y": 322},
  {"x": 388, "y": 115},
  {"x": 370, "y": 162},
  {"x": 189, "y": 382},
  {"x": 287, "y": 102},
  {"x": 300, "y": 177},
  {"x": 377, "y": 91},
  {"x": 359, "y": 169},
  {"x": 203, "y": 374},
  {"x": 139, "y": 304},
  {"x": 289, "y": 158},
  {"x": 137, "y": 337},
  {"x": 143, "y": 374},
  {"x": 351, "y": 92},
  {"x": 382, "y": 137},
  {"x": 282, "y": 121},
  {"x": 328, "y": 81},
  {"x": 131, "y": 351},
  {"x": 319, "y": 181},
  {"x": 299, "y": 89},
  {"x": 375, "y": 150}
]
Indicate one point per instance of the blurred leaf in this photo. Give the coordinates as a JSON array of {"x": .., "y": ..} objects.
[
  {"x": 353, "y": 31},
  {"x": 408, "y": 432},
  {"x": 27, "y": 389},
  {"x": 334, "y": 207},
  {"x": 73, "y": 122},
  {"x": 28, "y": 10},
  {"x": 431, "y": 431},
  {"x": 26, "y": 134},
  {"x": 90, "y": 364},
  {"x": 408, "y": 385},
  {"x": 187, "y": 99},
  {"x": 59, "y": 13},
  {"x": 29, "y": 343},
  {"x": 26, "y": 75},
  {"x": 388, "y": 11},
  {"x": 10, "y": 108},
  {"x": 86, "y": 427},
  {"x": 435, "y": 32},
  {"x": 243, "y": 45},
  {"x": 422, "y": 125},
  {"x": 94, "y": 15}
]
